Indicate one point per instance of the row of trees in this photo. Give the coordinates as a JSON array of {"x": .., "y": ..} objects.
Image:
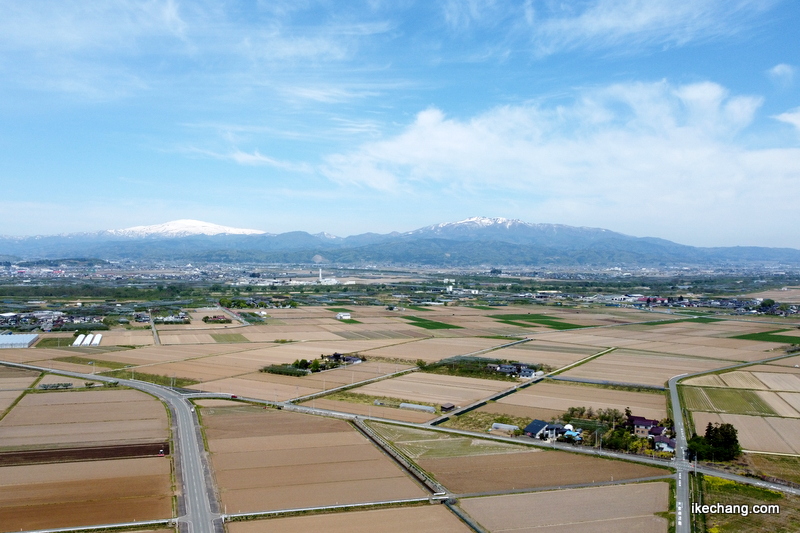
[{"x": 720, "y": 443}]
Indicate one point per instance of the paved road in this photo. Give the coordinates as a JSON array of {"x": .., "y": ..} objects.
[
  {"x": 199, "y": 516},
  {"x": 682, "y": 503}
]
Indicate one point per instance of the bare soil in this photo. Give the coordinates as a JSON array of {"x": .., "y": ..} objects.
[
  {"x": 466, "y": 475},
  {"x": 608, "y": 509},
  {"x": 425, "y": 519}
]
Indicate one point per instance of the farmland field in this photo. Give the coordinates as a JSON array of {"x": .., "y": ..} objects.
[
  {"x": 559, "y": 397},
  {"x": 626, "y": 366},
  {"x": 434, "y": 388},
  {"x": 608, "y": 509},
  {"x": 426, "y": 519},
  {"x": 93, "y": 417},
  {"x": 265, "y": 459},
  {"x": 12, "y": 385},
  {"x": 84, "y": 493},
  {"x": 722, "y": 491},
  {"x": 529, "y": 470},
  {"x": 419, "y": 443},
  {"x": 760, "y": 434}
]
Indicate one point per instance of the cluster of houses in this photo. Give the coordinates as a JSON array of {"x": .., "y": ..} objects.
[
  {"x": 180, "y": 318},
  {"x": 515, "y": 369},
  {"x": 336, "y": 357},
  {"x": 45, "y": 320},
  {"x": 641, "y": 427}
]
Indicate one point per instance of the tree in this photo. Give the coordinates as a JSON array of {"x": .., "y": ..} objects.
[
  {"x": 314, "y": 365},
  {"x": 720, "y": 443}
]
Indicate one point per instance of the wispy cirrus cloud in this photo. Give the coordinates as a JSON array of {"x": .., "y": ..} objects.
[
  {"x": 610, "y": 24},
  {"x": 254, "y": 158}
]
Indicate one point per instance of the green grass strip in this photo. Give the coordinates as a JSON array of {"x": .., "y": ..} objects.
[
  {"x": 339, "y": 309},
  {"x": 532, "y": 320},
  {"x": 229, "y": 337},
  {"x": 151, "y": 378},
  {"x": 113, "y": 365},
  {"x": 769, "y": 336},
  {"x": 429, "y": 324}
]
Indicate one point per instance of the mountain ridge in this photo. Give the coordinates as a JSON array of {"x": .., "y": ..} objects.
[{"x": 469, "y": 242}]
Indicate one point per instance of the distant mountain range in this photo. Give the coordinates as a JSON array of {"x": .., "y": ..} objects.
[{"x": 472, "y": 242}]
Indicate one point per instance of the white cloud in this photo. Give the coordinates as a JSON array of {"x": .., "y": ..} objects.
[
  {"x": 781, "y": 74},
  {"x": 611, "y": 23},
  {"x": 616, "y": 148},
  {"x": 254, "y": 158},
  {"x": 790, "y": 117}
]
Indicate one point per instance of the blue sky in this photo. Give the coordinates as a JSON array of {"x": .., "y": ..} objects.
[{"x": 664, "y": 118}]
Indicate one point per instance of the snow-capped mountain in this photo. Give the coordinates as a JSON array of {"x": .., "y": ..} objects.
[
  {"x": 181, "y": 228},
  {"x": 469, "y": 242}
]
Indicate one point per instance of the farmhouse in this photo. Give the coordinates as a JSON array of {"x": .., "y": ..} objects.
[
  {"x": 343, "y": 316},
  {"x": 535, "y": 428},
  {"x": 642, "y": 425},
  {"x": 664, "y": 444}
]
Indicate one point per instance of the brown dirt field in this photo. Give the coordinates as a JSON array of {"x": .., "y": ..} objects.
[
  {"x": 69, "y": 367},
  {"x": 89, "y": 432},
  {"x": 434, "y": 388},
  {"x": 782, "y": 382},
  {"x": 85, "y": 397},
  {"x": 76, "y": 383},
  {"x": 529, "y": 470},
  {"x": 12, "y": 384},
  {"x": 404, "y": 415},
  {"x": 789, "y": 361},
  {"x": 790, "y": 295},
  {"x": 605, "y": 509},
  {"x": 251, "y": 443},
  {"x": 83, "y": 453},
  {"x": 633, "y": 367},
  {"x": 531, "y": 356},
  {"x": 792, "y": 398},
  {"x": 82, "y": 494},
  {"x": 742, "y": 380},
  {"x": 185, "y": 338},
  {"x": 701, "y": 420},
  {"x": 756, "y": 434},
  {"x": 431, "y": 350},
  {"x": 128, "y": 338},
  {"x": 260, "y": 386},
  {"x": 561, "y": 397},
  {"x": 711, "y": 380},
  {"x": 302, "y": 461},
  {"x": 16, "y": 373},
  {"x": 778, "y": 404},
  {"x": 216, "y": 403},
  {"x": 424, "y": 519},
  {"x": 94, "y": 416},
  {"x": 331, "y": 493},
  {"x": 519, "y": 410},
  {"x": 788, "y": 429},
  {"x": 31, "y": 415}
]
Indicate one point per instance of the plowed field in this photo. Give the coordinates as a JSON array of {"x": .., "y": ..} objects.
[
  {"x": 598, "y": 509},
  {"x": 266, "y": 459},
  {"x": 83, "y": 494},
  {"x": 529, "y": 470},
  {"x": 427, "y": 519}
]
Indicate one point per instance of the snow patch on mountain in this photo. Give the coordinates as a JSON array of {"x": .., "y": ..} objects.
[{"x": 182, "y": 228}]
